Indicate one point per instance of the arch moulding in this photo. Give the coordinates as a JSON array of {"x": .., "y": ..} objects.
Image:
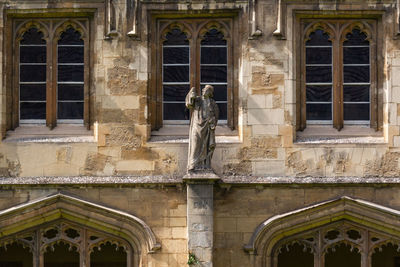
[
  {"x": 367, "y": 214},
  {"x": 63, "y": 207}
]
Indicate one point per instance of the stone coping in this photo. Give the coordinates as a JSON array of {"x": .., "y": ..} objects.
[{"x": 154, "y": 180}]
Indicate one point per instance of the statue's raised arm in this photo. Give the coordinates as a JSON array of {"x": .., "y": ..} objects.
[{"x": 191, "y": 98}]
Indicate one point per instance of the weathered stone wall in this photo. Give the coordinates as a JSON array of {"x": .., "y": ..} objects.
[
  {"x": 120, "y": 73},
  {"x": 239, "y": 210},
  {"x": 164, "y": 210}
]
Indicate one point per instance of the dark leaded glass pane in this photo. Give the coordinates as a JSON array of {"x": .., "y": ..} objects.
[
  {"x": 213, "y": 37},
  {"x": 213, "y": 74},
  {"x": 356, "y": 93},
  {"x": 319, "y": 38},
  {"x": 356, "y": 74},
  {"x": 213, "y": 55},
  {"x": 175, "y": 92},
  {"x": 32, "y": 111},
  {"x": 70, "y": 54},
  {"x": 318, "y": 55},
  {"x": 176, "y": 37},
  {"x": 356, "y": 55},
  {"x": 34, "y": 92},
  {"x": 355, "y": 112},
  {"x": 70, "y": 37},
  {"x": 318, "y": 74},
  {"x": 32, "y": 36},
  {"x": 69, "y": 73},
  {"x": 175, "y": 111},
  {"x": 176, "y": 55},
  {"x": 32, "y": 54},
  {"x": 223, "y": 108},
  {"x": 176, "y": 73},
  {"x": 356, "y": 37},
  {"x": 220, "y": 92},
  {"x": 70, "y": 92},
  {"x": 70, "y": 110},
  {"x": 319, "y": 93},
  {"x": 319, "y": 111},
  {"x": 32, "y": 73}
]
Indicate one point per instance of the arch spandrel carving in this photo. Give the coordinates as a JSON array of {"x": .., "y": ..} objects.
[
  {"x": 63, "y": 26},
  {"x": 23, "y": 28},
  {"x": 327, "y": 28},
  {"x": 182, "y": 26},
  {"x": 220, "y": 26},
  {"x": 363, "y": 27},
  {"x": 345, "y": 214}
]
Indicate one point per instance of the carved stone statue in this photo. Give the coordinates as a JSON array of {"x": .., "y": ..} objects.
[{"x": 202, "y": 128}]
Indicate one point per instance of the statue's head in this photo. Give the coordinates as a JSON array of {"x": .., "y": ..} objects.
[{"x": 208, "y": 91}]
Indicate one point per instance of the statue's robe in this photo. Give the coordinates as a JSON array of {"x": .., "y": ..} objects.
[{"x": 202, "y": 131}]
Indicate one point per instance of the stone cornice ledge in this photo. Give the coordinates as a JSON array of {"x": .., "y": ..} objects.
[{"x": 173, "y": 180}]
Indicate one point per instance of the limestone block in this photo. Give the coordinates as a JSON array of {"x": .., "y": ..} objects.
[
  {"x": 180, "y": 211},
  {"x": 162, "y": 232},
  {"x": 395, "y": 94},
  {"x": 269, "y": 167},
  {"x": 61, "y": 169},
  {"x": 179, "y": 232},
  {"x": 121, "y": 102},
  {"x": 393, "y": 113},
  {"x": 225, "y": 225},
  {"x": 174, "y": 245},
  {"x": 177, "y": 222},
  {"x": 265, "y": 116},
  {"x": 395, "y": 76},
  {"x": 177, "y": 260},
  {"x": 265, "y": 130},
  {"x": 257, "y": 101},
  {"x": 135, "y": 165},
  {"x": 396, "y": 141}
]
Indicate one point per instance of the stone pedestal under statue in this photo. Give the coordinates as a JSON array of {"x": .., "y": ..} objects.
[{"x": 200, "y": 215}]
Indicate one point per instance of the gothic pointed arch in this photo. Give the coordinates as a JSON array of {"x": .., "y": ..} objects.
[
  {"x": 22, "y": 29},
  {"x": 68, "y": 219},
  {"x": 341, "y": 221},
  {"x": 325, "y": 27}
]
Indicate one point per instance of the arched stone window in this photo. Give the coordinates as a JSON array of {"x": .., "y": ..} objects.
[
  {"x": 192, "y": 53},
  {"x": 51, "y": 73},
  {"x": 60, "y": 229},
  {"x": 345, "y": 232},
  {"x": 337, "y": 74}
]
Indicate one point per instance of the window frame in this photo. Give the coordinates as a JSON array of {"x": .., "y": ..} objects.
[
  {"x": 337, "y": 27},
  {"x": 195, "y": 27},
  {"x": 52, "y": 28}
]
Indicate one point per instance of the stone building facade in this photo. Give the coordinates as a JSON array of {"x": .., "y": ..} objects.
[{"x": 94, "y": 133}]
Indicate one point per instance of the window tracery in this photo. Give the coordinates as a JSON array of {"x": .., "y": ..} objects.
[
  {"x": 82, "y": 240},
  {"x": 325, "y": 242}
]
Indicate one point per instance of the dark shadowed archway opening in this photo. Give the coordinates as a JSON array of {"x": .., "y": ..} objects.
[
  {"x": 108, "y": 255},
  {"x": 15, "y": 255},
  {"x": 342, "y": 255},
  {"x": 63, "y": 255},
  {"x": 386, "y": 256},
  {"x": 295, "y": 255}
]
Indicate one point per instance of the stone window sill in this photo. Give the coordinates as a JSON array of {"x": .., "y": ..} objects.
[
  {"x": 63, "y": 133},
  {"x": 326, "y": 135},
  {"x": 178, "y": 134}
]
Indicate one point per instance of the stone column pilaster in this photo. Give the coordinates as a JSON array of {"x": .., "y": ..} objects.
[{"x": 200, "y": 216}]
